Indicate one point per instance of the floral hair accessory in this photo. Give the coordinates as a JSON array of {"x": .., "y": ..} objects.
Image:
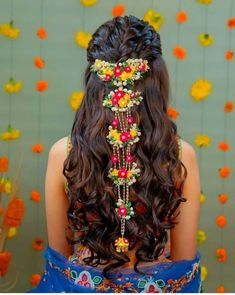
[
  {"x": 122, "y": 73},
  {"x": 123, "y": 132}
]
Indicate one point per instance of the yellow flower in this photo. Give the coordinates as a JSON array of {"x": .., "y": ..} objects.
[
  {"x": 206, "y": 2},
  {"x": 116, "y": 136},
  {"x": 205, "y": 39},
  {"x": 202, "y": 198},
  {"x": 13, "y": 86},
  {"x": 76, "y": 99},
  {"x": 82, "y": 39},
  {"x": 133, "y": 132},
  {"x": 124, "y": 76},
  {"x": 10, "y": 134},
  {"x": 154, "y": 18},
  {"x": 122, "y": 102},
  {"x": 201, "y": 236},
  {"x": 127, "y": 96},
  {"x": 9, "y": 31},
  {"x": 7, "y": 186},
  {"x": 107, "y": 71},
  {"x": 114, "y": 172},
  {"x": 202, "y": 140},
  {"x": 201, "y": 89},
  {"x": 113, "y": 132},
  {"x": 88, "y": 2},
  {"x": 204, "y": 272},
  {"x": 11, "y": 232},
  {"x": 129, "y": 174}
]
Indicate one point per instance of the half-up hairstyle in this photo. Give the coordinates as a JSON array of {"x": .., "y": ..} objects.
[{"x": 157, "y": 193}]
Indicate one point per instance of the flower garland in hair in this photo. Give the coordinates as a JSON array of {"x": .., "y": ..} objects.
[{"x": 123, "y": 131}]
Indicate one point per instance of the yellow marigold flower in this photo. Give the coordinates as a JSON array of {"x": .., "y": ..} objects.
[
  {"x": 113, "y": 132},
  {"x": 114, "y": 172},
  {"x": 122, "y": 102},
  {"x": 107, "y": 71},
  {"x": 124, "y": 76},
  {"x": 205, "y": 39},
  {"x": 7, "y": 186},
  {"x": 88, "y": 2},
  {"x": 201, "y": 89},
  {"x": 82, "y": 39},
  {"x": 201, "y": 236},
  {"x": 12, "y": 232},
  {"x": 204, "y": 272},
  {"x": 13, "y": 86},
  {"x": 76, "y": 99},
  {"x": 129, "y": 174},
  {"x": 202, "y": 140},
  {"x": 133, "y": 132},
  {"x": 116, "y": 136},
  {"x": 127, "y": 96},
  {"x": 10, "y": 134},
  {"x": 206, "y": 2},
  {"x": 202, "y": 198},
  {"x": 154, "y": 18},
  {"x": 9, "y": 31}
]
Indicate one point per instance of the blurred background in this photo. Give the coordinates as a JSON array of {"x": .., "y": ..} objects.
[{"x": 42, "y": 60}]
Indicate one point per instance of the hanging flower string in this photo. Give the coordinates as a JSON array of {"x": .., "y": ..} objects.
[{"x": 123, "y": 131}]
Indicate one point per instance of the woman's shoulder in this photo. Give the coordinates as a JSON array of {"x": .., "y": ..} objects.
[
  {"x": 188, "y": 151},
  {"x": 58, "y": 151}
]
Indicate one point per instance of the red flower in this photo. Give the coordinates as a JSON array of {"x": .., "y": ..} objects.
[
  {"x": 142, "y": 67},
  {"x": 119, "y": 94},
  {"x": 122, "y": 211},
  {"x": 127, "y": 69},
  {"x": 117, "y": 71},
  {"x": 124, "y": 136},
  {"x": 107, "y": 77},
  {"x": 122, "y": 173}
]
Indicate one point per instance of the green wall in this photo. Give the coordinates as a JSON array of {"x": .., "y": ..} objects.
[{"x": 47, "y": 116}]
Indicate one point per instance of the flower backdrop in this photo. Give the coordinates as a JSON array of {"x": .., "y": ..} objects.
[{"x": 42, "y": 59}]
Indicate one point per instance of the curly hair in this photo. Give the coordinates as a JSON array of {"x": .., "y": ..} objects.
[{"x": 158, "y": 192}]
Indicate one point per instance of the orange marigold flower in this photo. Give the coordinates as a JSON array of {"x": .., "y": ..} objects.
[
  {"x": 179, "y": 52},
  {"x": 229, "y": 106},
  {"x": 229, "y": 54},
  {"x": 223, "y": 198},
  {"x": 118, "y": 10},
  {"x": 172, "y": 113},
  {"x": 231, "y": 22},
  {"x": 181, "y": 17},
  {"x": 1, "y": 211},
  {"x": 221, "y": 254},
  {"x": 39, "y": 63},
  {"x": 42, "y": 85},
  {"x": 223, "y": 146},
  {"x": 14, "y": 212},
  {"x": 42, "y": 33},
  {"x": 4, "y": 164},
  {"x": 37, "y": 244},
  {"x": 37, "y": 148},
  {"x": 35, "y": 279},
  {"x": 224, "y": 171},
  {"x": 221, "y": 221},
  {"x": 35, "y": 196},
  {"x": 220, "y": 289},
  {"x": 5, "y": 259}
]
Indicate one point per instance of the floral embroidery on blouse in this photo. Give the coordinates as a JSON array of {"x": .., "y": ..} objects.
[{"x": 146, "y": 282}]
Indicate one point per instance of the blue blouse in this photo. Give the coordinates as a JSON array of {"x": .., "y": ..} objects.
[{"x": 62, "y": 275}]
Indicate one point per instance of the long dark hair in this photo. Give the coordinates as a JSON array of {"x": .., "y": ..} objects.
[{"x": 158, "y": 192}]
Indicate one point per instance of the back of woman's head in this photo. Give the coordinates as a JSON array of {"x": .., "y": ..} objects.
[{"x": 157, "y": 193}]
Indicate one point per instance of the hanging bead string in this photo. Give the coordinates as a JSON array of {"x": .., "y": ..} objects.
[{"x": 123, "y": 132}]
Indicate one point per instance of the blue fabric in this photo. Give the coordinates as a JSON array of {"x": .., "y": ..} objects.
[{"x": 62, "y": 275}]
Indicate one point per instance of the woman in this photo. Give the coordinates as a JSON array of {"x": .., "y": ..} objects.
[{"x": 143, "y": 168}]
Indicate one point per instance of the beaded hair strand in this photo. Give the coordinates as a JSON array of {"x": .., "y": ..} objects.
[{"x": 123, "y": 132}]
